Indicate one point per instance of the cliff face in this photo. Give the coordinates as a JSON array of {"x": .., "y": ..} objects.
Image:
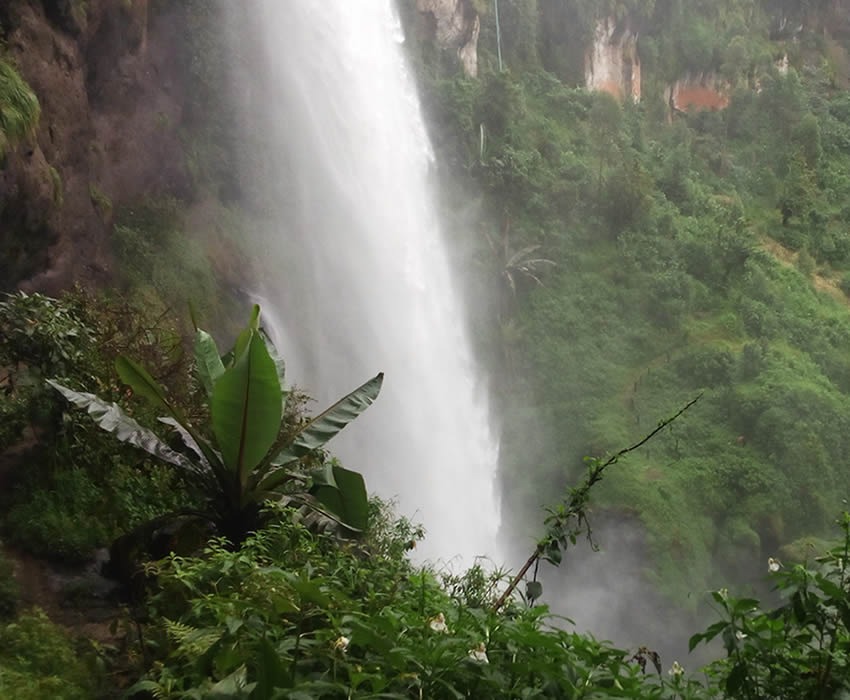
[
  {"x": 612, "y": 63},
  {"x": 705, "y": 91},
  {"x": 455, "y": 26},
  {"x": 112, "y": 99}
]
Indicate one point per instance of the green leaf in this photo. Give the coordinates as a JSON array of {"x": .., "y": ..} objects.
[
  {"x": 246, "y": 408},
  {"x": 276, "y": 478},
  {"x": 233, "y": 686},
  {"x": 552, "y": 553},
  {"x": 137, "y": 377},
  {"x": 331, "y": 421},
  {"x": 270, "y": 671},
  {"x": 254, "y": 321},
  {"x": 533, "y": 590},
  {"x": 112, "y": 419},
  {"x": 207, "y": 360},
  {"x": 736, "y": 678},
  {"x": 200, "y": 447},
  {"x": 693, "y": 641},
  {"x": 279, "y": 364},
  {"x": 346, "y": 497}
]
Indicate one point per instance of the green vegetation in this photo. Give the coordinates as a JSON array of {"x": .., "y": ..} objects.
[
  {"x": 19, "y": 108},
  {"x": 58, "y": 188},
  {"x": 61, "y": 471},
  {"x": 629, "y": 264},
  {"x": 254, "y": 455},
  {"x": 38, "y": 660},
  {"x": 703, "y": 255},
  {"x": 294, "y": 609},
  {"x": 101, "y": 201}
]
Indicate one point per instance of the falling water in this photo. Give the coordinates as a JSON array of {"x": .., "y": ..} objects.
[{"x": 366, "y": 282}]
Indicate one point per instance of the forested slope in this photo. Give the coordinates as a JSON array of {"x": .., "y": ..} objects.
[{"x": 638, "y": 253}]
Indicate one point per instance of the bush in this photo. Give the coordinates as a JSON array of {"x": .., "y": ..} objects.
[
  {"x": 38, "y": 661},
  {"x": 62, "y": 521}
]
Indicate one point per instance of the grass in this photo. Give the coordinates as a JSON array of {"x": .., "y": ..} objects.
[{"x": 19, "y": 108}]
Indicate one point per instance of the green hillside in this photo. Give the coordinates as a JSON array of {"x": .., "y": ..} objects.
[{"x": 635, "y": 257}]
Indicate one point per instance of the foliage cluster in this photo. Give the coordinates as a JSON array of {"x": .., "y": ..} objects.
[
  {"x": 293, "y": 614},
  {"x": 59, "y": 471},
  {"x": 19, "y": 107},
  {"x": 38, "y": 660},
  {"x": 255, "y": 446},
  {"x": 702, "y": 255}
]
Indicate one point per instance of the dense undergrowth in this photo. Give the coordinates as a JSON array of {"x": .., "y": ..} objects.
[{"x": 296, "y": 611}]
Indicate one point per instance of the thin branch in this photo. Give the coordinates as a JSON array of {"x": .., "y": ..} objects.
[{"x": 579, "y": 496}]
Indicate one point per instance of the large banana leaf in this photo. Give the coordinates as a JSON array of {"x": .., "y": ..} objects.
[
  {"x": 343, "y": 493},
  {"x": 278, "y": 363},
  {"x": 143, "y": 384},
  {"x": 137, "y": 377},
  {"x": 207, "y": 360},
  {"x": 112, "y": 419},
  {"x": 331, "y": 421},
  {"x": 246, "y": 408},
  {"x": 189, "y": 440}
]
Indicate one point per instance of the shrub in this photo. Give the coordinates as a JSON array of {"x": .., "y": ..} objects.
[
  {"x": 62, "y": 521},
  {"x": 38, "y": 660}
]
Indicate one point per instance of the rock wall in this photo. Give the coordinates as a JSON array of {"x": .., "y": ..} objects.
[
  {"x": 112, "y": 103},
  {"x": 703, "y": 91},
  {"x": 455, "y": 26},
  {"x": 612, "y": 63}
]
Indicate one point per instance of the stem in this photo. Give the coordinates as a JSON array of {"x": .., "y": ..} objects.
[
  {"x": 298, "y": 631},
  {"x": 579, "y": 497}
]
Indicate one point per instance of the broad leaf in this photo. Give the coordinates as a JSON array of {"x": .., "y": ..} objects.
[
  {"x": 246, "y": 408},
  {"x": 112, "y": 419},
  {"x": 207, "y": 360},
  {"x": 331, "y": 421},
  {"x": 265, "y": 489},
  {"x": 278, "y": 363},
  {"x": 189, "y": 440},
  {"x": 271, "y": 673},
  {"x": 142, "y": 383},
  {"x": 533, "y": 590},
  {"x": 736, "y": 678},
  {"x": 347, "y": 498}
]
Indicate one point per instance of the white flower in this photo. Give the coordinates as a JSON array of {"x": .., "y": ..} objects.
[
  {"x": 773, "y": 565},
  {"x": 479, "y": 654},
  {"x": 438, "y": 624},
  {"x": 723, "y": 593},
  {"x": 342, "y": 644},
  {"x": 676, "y": 669},
  {"x": 740, "y": 635}
]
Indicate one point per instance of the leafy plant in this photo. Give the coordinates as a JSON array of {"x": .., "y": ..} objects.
[
  {"x": 798, "y": 651},
  {"x": 38, "y": 660},
  {"x": 251, "y": 458},
  {"x": 19, "y": 108}
]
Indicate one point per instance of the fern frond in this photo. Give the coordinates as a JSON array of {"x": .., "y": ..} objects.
[{"x": 191, "y": 641}]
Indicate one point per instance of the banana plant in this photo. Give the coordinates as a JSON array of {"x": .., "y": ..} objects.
[{"x": 247, "y": 459}]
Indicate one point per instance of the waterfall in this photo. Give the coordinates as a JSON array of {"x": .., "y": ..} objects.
[{"x": 365, "y": 284}]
